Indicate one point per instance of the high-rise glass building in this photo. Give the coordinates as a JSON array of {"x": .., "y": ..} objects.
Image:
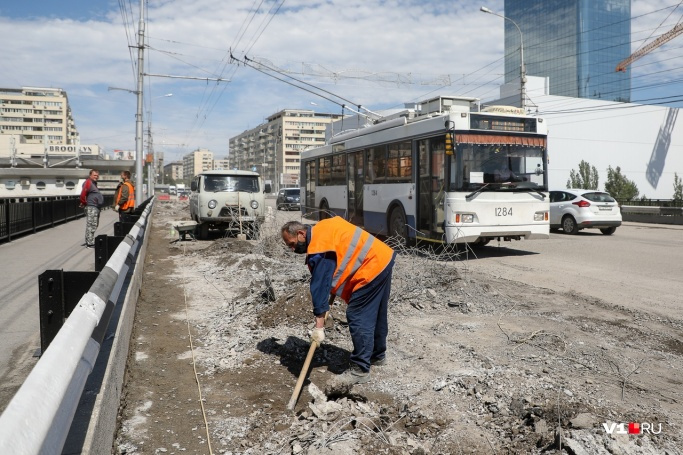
[{"x": 577, "y": 44}]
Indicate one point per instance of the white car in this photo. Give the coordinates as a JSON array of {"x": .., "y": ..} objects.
[{"x": 573, "y": 210}]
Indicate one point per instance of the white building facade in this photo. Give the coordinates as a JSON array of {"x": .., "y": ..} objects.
[
  {"x": 644, "y": 141},
  {"x": 196, "y": 162},
  {"x": 274, "y": 147}
]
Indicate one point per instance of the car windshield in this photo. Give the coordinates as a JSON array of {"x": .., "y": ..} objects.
[
  {"x": 231, "y": 183},
  {"x": 598, "y": 197},
  {"x": 292, "y": 192}
]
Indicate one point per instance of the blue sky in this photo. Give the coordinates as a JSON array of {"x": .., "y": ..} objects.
[{"x": 378, "y": 53}]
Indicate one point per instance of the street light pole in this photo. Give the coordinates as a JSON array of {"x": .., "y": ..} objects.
[
  {"x": 522, "y": 69},
  {"x": 138, "y": 115}
]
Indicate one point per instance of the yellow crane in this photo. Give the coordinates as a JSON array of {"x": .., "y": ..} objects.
[{"x": 666, "y": 37}]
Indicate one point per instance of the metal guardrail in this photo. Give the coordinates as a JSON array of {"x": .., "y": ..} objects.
[
  {"x": 652, "y": 210},
  {"x": 27, "y": 215},
  {"x": 38, "y": 418}
]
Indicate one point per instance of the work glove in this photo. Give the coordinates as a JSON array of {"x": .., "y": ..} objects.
[
  {"x": 116, "y": 209},
  {"x": 318, "y": 334}
]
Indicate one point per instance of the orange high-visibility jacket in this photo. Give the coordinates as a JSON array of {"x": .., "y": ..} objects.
[
  {"x": 128, "y": 204},
  {"x": 360, "y": 256}
]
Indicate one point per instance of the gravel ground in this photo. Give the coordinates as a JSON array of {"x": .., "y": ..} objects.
[{"x": 476, "y": 364}]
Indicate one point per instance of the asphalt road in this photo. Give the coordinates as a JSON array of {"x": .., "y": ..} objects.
[
  {"x": 23, "y": 259},
  {"x": 640, "y": 266}
]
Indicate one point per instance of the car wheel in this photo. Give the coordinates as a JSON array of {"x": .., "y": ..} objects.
[
  {"x": 569, "y": 225},
  {"x": 608, "y": 231},
  {"x": 397, "y": 225}
]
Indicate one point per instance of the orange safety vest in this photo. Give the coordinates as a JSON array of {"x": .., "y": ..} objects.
[
  {"x": 130, "y": 203},
  {"x": 360, "y": 256}
]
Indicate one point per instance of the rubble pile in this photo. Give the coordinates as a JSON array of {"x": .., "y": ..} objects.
[{"x": 475, "y": 364}]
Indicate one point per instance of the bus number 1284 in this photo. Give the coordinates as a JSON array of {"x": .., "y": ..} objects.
[{"x": 503, "y": 211}]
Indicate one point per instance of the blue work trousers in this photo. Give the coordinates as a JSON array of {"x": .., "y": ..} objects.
[{"x": 367, "y": 316}]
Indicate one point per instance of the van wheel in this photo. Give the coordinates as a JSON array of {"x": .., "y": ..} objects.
[
  {"x": 202, "y": 231},
  {"x": 324, "y": 212},
  {"x": 480, "y": 242},
  {"x": 397, "y": 225},
  {"x": 569, "y": 225}
]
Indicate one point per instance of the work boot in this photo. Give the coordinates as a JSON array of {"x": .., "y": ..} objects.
[
  {"x": 341, "y": 384},
  {"x": 375, "y": 362}
]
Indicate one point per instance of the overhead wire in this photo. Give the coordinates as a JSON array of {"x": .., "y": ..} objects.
[
  {"x": 483, "y": 77},
  {"x": 127, "y": 22}
]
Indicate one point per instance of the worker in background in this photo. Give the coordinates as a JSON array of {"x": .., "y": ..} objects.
[
  {"x": 124, "y": 198},
  {"x": 347, "y": 261},
  {"x": 92, "y": 200}
]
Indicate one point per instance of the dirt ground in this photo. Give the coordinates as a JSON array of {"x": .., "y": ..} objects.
[{"x": 476, "y": 364}]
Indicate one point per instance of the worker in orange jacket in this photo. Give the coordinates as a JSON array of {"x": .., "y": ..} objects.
[
  {"x": 124, "y": 198},
  {"x": 346, "y": 261}
]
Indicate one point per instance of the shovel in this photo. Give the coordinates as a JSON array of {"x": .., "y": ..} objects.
[{"x": 304, "y": 369}]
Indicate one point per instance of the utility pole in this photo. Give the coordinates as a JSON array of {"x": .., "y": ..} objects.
[{"x": 138, "y": 116}]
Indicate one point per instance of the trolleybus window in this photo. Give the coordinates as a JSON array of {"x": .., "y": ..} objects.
[
  {"x": 400, "y": 163},
  {"x": 338, "y": 174},
  {"x": 324, "y": 170},
  {"x": 501, "y": 166},
  {"x": 376, "y": 162}
]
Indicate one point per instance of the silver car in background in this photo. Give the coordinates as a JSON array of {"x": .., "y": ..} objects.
[
  {"x": 288, "y": 199},
  {"x": 573, "y": 210}
]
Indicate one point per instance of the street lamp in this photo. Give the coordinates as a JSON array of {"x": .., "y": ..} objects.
[
  {"x": 138, "y": 132},
  {"x": 522, "y": 70},
  {"x": 151, "y": 171}
]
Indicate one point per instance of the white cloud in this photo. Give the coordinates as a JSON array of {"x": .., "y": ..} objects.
[{"x": 374, "y": 47}]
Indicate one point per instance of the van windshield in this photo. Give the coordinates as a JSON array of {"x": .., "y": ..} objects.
[{"x": 231, "y": 183}]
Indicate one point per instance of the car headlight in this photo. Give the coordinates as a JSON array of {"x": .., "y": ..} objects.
[
  {"x": 212, "y": 204},
  {"x": 254, "y": 205}
]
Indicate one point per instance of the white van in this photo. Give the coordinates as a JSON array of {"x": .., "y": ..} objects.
[{"x": 228, "y": 201}]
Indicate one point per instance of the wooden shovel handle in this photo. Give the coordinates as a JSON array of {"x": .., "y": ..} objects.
[
  {"x": 302, "y": 376},
  {"x": 304, "y": 369}
]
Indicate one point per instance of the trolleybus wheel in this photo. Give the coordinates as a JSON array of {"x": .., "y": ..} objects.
[{"x": 397, "y": 224}]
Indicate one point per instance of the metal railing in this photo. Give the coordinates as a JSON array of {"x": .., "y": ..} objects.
[{"x": 20, "y": 216}]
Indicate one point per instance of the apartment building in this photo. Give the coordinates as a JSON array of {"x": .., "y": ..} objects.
[
  {"x": 37, "y": 116},
  {"x": 274, "y": 147},
  {"x": 173, "y": 171},
  {"x": 196, "y": 162},
  {"x": 221, "y": 165}
]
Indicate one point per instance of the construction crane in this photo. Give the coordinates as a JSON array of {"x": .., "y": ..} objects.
[{"x": 666, "y": 37}]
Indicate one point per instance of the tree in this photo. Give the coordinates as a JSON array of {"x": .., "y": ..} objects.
[
  {"x": 586, "y": 178},
  {"x": 619, "y": 186},
  {"x": 678, "y": 188}
]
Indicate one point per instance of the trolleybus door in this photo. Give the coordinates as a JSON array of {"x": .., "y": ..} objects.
[
  {"x": 431, "y": 187},
  {"x": 354, "y": 163}
]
